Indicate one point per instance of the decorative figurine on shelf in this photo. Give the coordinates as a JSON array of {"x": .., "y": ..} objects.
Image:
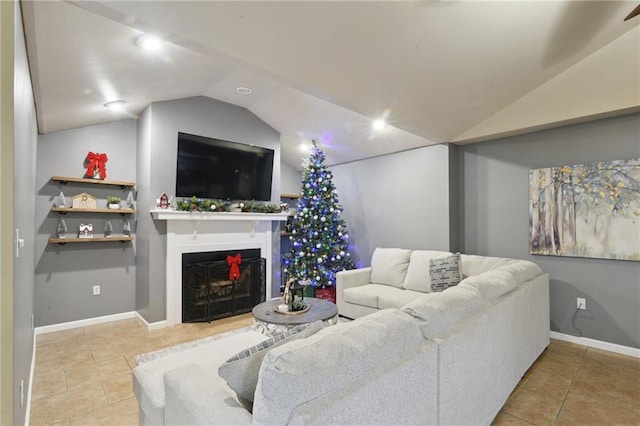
[
  {"x": 108, "y": 228},
  {"x": 84, "y": 201},
  {"x": 130, "y": 200},
  {"x": 96, "y": 168},
  {"x": 163, "y": 201},
  {"x": 62, "y": 228},
  {"x": 126, "y": 228},
  {"x": 86, "y": 231},
  {"x": 61, "y": 201}
]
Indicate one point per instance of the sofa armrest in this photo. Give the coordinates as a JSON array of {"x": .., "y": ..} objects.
[
  {"x": 353, "y": 278},
  {"x": 194, "y": 399},
  {"x": 349, "y": 279}
]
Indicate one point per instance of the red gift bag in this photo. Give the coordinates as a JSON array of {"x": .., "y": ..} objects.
[{"x": 326, "y": 293}]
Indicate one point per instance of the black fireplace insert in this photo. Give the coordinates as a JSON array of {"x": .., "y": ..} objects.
[{"x": 208, "y": 292}]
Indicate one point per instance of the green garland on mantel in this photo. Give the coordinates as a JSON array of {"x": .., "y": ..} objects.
[{"x": 206, "y": 205}]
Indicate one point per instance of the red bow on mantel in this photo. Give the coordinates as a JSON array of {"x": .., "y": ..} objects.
[
  {"x": 234, "y": 270},
  {"x": 96, "y": 160}
]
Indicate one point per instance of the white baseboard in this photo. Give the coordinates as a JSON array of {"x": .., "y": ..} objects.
[
  {"x": 598, "y": 344},
  {"x": 27, "y": 415},
  {"x": 153, "y": 325},
  {"x": 83, "y": 323}
]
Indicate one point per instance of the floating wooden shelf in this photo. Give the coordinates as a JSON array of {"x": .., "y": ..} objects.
[
  {"x": 77, "y": 210},
  {"x": 62, "y": 241},
  {"x": 289, "y": 196},
  {"x": 122, "y": 184},
  {"x": 285, "y": 234}
]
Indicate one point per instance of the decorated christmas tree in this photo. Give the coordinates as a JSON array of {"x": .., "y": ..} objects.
[{"x": 319, "y": 240}]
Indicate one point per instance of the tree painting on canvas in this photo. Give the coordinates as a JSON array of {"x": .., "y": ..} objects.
[{"x": 586, "y": 210}]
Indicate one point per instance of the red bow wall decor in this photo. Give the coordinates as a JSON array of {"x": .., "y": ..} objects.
[
  {"x": 234, "y": 270},
  {"x": 98, "y": 161}
]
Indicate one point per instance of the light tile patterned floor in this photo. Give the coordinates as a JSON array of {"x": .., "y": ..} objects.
[{"x": 83, "y": 377}]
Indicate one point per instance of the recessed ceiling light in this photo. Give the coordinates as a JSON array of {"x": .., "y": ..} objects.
[
  {"x": 115, "y": 106},
  {"x": 379, "y": 124},
  {"x": 150, "y": 42},
  {"x": 244, "y": 90},
  {"x": 304, "y": 147}
]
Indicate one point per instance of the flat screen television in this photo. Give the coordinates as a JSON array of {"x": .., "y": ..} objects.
[{"x": 214, "y": 168}]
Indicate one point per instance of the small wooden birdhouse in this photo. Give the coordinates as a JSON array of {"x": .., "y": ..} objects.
[
  {"x": 163, "y": 201},
  {"x": 83, "y": 201}
]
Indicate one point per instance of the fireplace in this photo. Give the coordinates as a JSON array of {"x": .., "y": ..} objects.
[
  {"x": 191, "y": 232},
  {"x": 207, "y": 291}
]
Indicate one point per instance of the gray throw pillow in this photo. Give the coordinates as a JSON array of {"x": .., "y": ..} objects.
[
  {"x": 444, "y": 272},
  {"x": 241, "y": 370}
]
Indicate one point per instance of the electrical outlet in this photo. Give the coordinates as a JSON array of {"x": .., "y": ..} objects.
[
  {"x": 33, "y": 322},
  {"x": 96, "y": 290},
  {"x": 581, "y": 303}
]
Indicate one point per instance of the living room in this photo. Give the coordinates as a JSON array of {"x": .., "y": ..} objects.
[{"x": 467, "y": 197}]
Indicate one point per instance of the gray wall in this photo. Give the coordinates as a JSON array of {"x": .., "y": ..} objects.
[
  {"x": 290, "y": 179},
  {"x": 65, "y": 274},
  {"x": 495, "y": 222},
  {"x": 158, "y": 129},
  {"x": 25, "y": 142},
  {"x": 398, "y": 200}
]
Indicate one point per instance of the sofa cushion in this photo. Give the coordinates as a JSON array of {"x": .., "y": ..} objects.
[
  {"x": 418, "y": 277},
  {"x": 475, "y": 265},
  {"x": 397, "y": 299},
  {"x": 522, "y": 270},
  {"x": 444, "y": 272},
  {"x": 491, "y": 284},
  {"x": 389, "y": 266},
  {"x": 338, "y": 355},
  {"x": 148, "y": 381},
  {"x": 241, "y": 370},
  {"x": 192, "y": 399},
  {"x": 436, "y": 313},
  {"x": 368, "y": 294}
]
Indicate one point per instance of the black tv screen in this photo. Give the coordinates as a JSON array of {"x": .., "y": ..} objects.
[{"x": 214, "y": 168}]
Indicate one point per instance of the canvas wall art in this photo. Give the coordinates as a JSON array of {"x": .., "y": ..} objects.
[{"x": 586, "y": 210}]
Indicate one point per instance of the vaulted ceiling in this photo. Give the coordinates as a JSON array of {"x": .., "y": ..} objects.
[{"x": 438, "y": 71}]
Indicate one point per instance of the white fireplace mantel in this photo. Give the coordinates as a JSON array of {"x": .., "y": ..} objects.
[
  {"x": 182, "y": 215},
  {"x": 192, "y": 232}
]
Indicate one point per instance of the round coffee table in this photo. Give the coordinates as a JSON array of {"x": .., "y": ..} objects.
[{"x": 268, "y": 321}]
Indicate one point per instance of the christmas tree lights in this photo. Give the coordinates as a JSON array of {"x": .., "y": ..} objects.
[{"x": 319, "y": 240}]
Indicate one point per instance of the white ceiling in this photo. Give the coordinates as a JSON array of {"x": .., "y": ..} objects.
[{"x": 440, "y": 71}]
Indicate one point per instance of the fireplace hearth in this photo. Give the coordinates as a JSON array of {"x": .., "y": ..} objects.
[{"x": 208, "y": 293}]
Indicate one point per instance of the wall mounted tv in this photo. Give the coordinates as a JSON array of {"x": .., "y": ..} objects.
[{"x": 214, "y": 168}]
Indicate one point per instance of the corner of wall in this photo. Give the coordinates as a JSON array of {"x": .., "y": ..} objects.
[{"x": 454, "y": 199}]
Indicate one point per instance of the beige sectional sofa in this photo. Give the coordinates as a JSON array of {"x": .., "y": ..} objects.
[{"x": 445, "y": 358}]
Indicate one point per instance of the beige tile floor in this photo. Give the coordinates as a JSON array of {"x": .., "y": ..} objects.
[{"x": 83, "y": 377}]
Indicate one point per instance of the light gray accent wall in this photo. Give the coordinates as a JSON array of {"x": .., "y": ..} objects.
[
  {"x": 495, "y": 222},
  {"x": 396, "y": 200},
  {"x": 454, "y": 199},
  {"x": 160, "y": 125},
  {"x": 144, "y": 227},
  {"x": 290, "y": 179},
  {"x": 25, "y": 143},
  {"x": 66, "y": 274}
]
